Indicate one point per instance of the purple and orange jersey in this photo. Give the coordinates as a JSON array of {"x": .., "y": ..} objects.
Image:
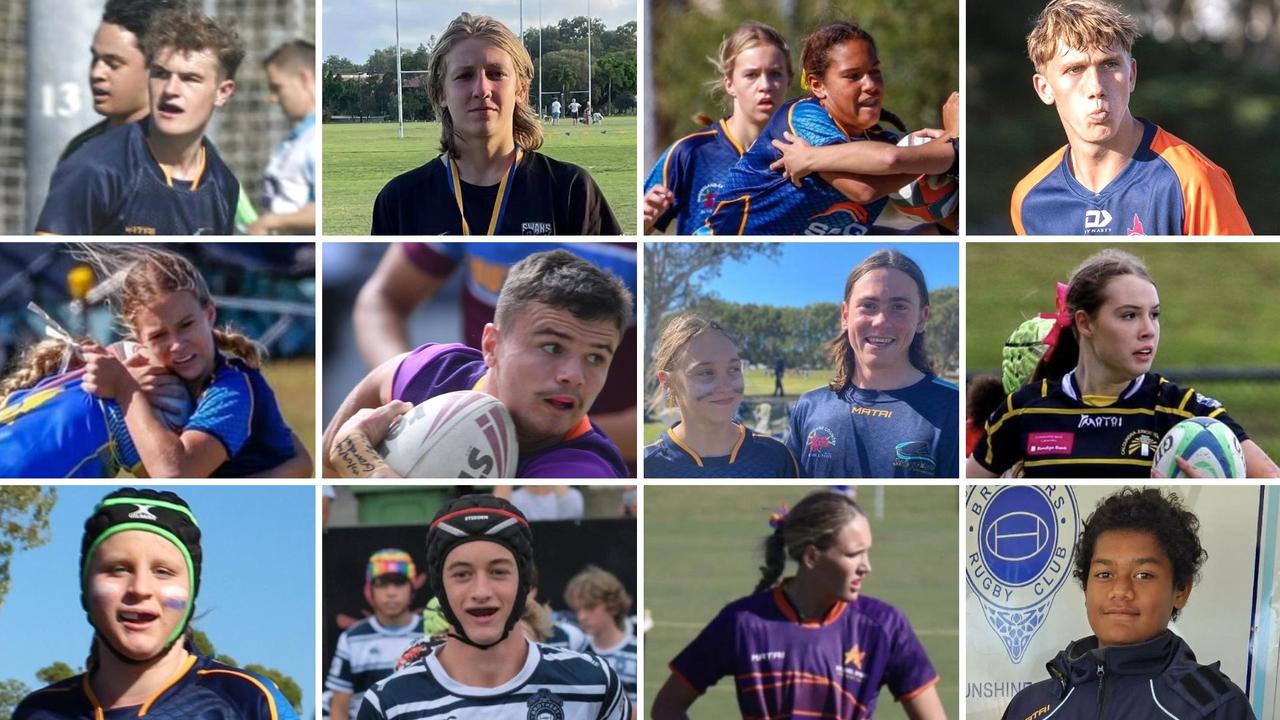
[
  {"x": 437, "y": 368},
  {"x": 1168, "y": 188},
  {"x": 783, "y": 667},
  {"x": 694, "y": 169}
]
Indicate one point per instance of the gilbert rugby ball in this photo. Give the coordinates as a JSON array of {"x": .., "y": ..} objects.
[
  {"x": 1208, "y": 444},
  {"x": 172, "y": 404},
  {"x": 929, "y": 198},
  {"x": 463, "y": 434}
]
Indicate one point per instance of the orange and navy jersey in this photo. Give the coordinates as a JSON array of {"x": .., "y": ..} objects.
[
  {"x": 1168, "y": 188},
  {"x": 694, "y": 169},
  {"x": 758, "y": 201}
]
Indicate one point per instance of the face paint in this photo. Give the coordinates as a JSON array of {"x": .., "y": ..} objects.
[{"x": 174, "y": 598}]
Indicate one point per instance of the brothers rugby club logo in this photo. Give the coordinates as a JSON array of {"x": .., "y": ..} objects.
[{"x": 1019, "y": 547}]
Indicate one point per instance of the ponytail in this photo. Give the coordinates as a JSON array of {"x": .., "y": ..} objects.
[
  {"x": 38, "y": 361},
  {"x": 775, "y": 558},
  {"x": 241, "y": 346}
]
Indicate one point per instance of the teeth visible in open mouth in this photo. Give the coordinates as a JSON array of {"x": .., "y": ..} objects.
[
  {"x": 133, "y": 616},
  {"x": 880, "y": 341}
]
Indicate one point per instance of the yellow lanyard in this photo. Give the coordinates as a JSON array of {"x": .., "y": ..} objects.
[{"x": 499, "y": 203}]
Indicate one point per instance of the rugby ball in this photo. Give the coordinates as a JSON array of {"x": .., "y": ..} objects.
[
  {"x": 929, "y": 198},
  {"x": 172, "y": 404},
  {"x": 463, "y": 434},
  {"x": 1208, "y": 444}
]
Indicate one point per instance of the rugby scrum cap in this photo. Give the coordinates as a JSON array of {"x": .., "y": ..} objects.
[
  {"x": 468, "y": 519},
  {"x": 1023, "y": 350},
  {"x": 162, "y": 513},
  {"x": 389, "y": 561}
]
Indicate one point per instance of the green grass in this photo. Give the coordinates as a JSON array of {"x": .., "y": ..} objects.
[
  {"x": 1217, "y": 309},
  {"x": 294, "y": 383},
  {"x": 360, "y": 158},
  {"x": 701, "y": 545}
]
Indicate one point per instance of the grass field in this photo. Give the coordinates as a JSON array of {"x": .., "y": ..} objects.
[
  {"x": 913, "y": 568},
  {"x": 1216, "y": 310},
  {"x": 360, "y": 158},
  {"x": 294, "y": 383}
]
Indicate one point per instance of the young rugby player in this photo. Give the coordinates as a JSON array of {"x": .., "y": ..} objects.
[
  {"x": 556, "y": 328},
  {"x": 700, "y": 372},
  {"x": 812, "y": 645},
  {"x": 289, "y": 183},
  {"x": 1138, "y": 558},
  {"x": 479, "y": 551},
  {"x": 1118, "y": 174},
  {"x": 885, "y": 413},
  {"x": 754, "y": 71},
  {"x": 601, "y": 603},
  {"x": 1094, "y": 408},
  {"x": 161, "y": 176},
  {"x": 489, "y": 179},
  {"x": 140, "y": 561}
]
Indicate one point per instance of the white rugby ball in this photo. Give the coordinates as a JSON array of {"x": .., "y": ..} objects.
[
  {"x": 172, "y": 403},
  {"x": 463, "y": 434},
  {"x": 1209, "y": 445}
]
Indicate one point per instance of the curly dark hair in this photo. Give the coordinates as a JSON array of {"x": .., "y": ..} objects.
[
  {"x": 135, "y": 15},
  {"x": 1176, "y": 528}
]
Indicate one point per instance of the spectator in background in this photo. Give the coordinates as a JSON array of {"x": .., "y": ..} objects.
[
  {"x": 289, "y": 183},
  {"x": 602, "y": 603},
  {"x": 544, "y": 502},
  {"x": 779, "y": 368}
]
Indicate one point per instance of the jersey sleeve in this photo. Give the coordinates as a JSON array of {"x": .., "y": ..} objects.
[
  {"x": 568, "y": 463},
  {"x": 1204, "y": 406},
  {"x": 1209, "y": 200},
  {"x": 709, "y": 657},
  {"x": 615, "y": 705},
  {"x": 340, "y": 678},
  {"x": 997, "y": 449},
  {"x": 81, "y": 199},
  {"x": 909, "y": 671},
  {"x": 371, "y": 706},
  {"x": 386, "y": 216},
  {"x": 669, "y": 174},
  {"x": 947, "y": 455},
  {"x": 225, "y": 410},
  {"x": 795, "y": 432},
  {"x": 589, "y": 211},
  {"x": 438, "y": 259},
  {"x": 811, "y": 122}
]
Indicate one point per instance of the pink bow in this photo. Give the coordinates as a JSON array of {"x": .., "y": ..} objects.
[{"x": 1062, "y": 319}]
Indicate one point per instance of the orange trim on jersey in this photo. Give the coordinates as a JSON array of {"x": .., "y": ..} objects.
[
  {"x": 919, "y": 690},
  {"x": 1209, "y": 201},
  {"x": 677, "y": 674},
  {"x": 794, "y": 677},
  {"x": 789, "y": 613},
  {"x": 746, "y": 210},
  {"x": 1026, "y": 184},
  {"x": 146, "y": 706},
  {"x": 697, "y": 459},
  {"x": 271, "y": 701},
  {"x": 724, "y": 128},
  {"x": 195, "y": 182},
  {"x": 666, "y": 162},
  {"x": 742, "y": 435},
  {"x": 88, "y": 692}
]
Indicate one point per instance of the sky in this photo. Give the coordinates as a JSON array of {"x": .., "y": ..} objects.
[
  {"x": 257, "y": 591},
  {"x": 355, "y": 29},
  {"x": 815, "y": 272}
]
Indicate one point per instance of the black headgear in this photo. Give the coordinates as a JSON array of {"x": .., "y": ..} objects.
[{"x": 479, "y": 517}]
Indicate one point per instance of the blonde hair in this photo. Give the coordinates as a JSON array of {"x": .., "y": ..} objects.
[
  {"x": 36, "y": 362},
  {"x": 528, "y": 129},
  {"x": 748, "y": 35},
  {"x": 679, "y": 332},
  {"x": 1080, "y": 25},
  {"x": 596, "y": 586},
  {"x": 538, "y": 619},
  {"x": 132, "y": 276}
]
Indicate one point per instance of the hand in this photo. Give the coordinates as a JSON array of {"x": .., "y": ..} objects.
[
  {"x": 105, "y": 376},
  {"x": 797, "y": 158},
  {"x": 165, "y": 391},
  {"x": 931, "y": 133},
  {"x": 352, "y": 453},
  {"x": 951, "y": 115},
  {"x": 261, "y": 226},
  {"x": 1188, "y": 470},
  {"x": 656, "y": 203},
  {"x": 373, "y": 422}
]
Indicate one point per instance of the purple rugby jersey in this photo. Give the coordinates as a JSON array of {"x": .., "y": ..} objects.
[
  {"x": 438, "y": 368},
  {"x": 785, "y": 668}
]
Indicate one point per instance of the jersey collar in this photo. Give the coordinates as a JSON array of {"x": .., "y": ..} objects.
[
  {"x": 499, "y": 203},
  {"x": 733, "y": 454},
  {"x": 790, "y": 613},
  {"x": 1072, "y": 388}
]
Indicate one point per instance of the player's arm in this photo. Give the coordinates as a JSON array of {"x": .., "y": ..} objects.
[
  {"x": 925, "y": 706},
  {"x": 1257, "y": 463},
  {"x": 656, "y": 204},
  {"x": 372, "y": 391},
  {"x": 298, "y": 466},
  {"x": 799, "y": 158},
  {"x": 974, "y": 469},
  {"x": 385, "y": 302},
  {"x": 339, "y": 705},
  {"x": 299, "y": 222},
  {"x": 673, "y": 700},
  {"x": 866, "y": 188}
]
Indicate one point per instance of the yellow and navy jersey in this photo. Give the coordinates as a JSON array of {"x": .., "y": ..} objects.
[
  {"x": 201, "y": 690},
  {"x": 112, "y": 185},
  {"x": 694, "y": 169},
  {"x": 1167, "y": 188},
  {"x": 537, "y": 196},
  {"x": 758, "y": 201},
  {"x": 753, "y": 456},
  {"x": 56, "y": 429},
  {"x": 1056, "y": 432}
]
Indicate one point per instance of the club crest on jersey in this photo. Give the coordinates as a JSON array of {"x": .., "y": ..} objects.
[
  {"x": 1019, "y": 542},
  {"x": 1137, "y": 226},
  {"x": 707, "y": 195},
  {"x": 843, "y": 218},
  {"x": 545, "y": 706},
  {"x": 535, "y": 228},
  {"x": 1141, "y": 443},
  {"x": 820, "y": 442},
  {"x": 852, "y": 666}
]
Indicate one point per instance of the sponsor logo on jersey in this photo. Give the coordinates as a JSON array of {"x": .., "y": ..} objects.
[
  {"x": 1137, "y": 226},
  {"x": 871, "y": 412},
  {"x": 820, "y": 442},
  {"x": 143, "y": 513},
  {"x": 1019, "y": 543},
  {"x": 140, "y": 230},
  {"x": 1099, "y": 421},
  {"x": 770, "y": 655},
  {"x": 1207, "y": 401},
  {"x": 916, "y": 456},
  {"x": 545, "y": 706},
  {"x": 1096, "y": 221},
  {"x": 1142, "y": 443},
  {"x": 844, "y": 218},
  {"x": 535, "y": 228},
  {"x": 707, "y": 195},
  {"x": 855, "y": 656},
  {"x": 1050, "y": 443}
]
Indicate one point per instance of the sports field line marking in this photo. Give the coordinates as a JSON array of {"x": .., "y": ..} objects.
[{"x": 695, "y": 625}]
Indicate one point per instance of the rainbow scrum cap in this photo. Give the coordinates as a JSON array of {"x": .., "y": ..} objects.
[
  {"x": 162, "y": 513},
  {"x": 468, "y": 519}
]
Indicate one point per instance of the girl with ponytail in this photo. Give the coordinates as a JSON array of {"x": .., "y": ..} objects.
[{"x": 811, "y": 645}]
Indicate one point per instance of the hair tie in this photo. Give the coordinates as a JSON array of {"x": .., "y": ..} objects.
[
  {"x": 55, "y": 331},
  {"x": 778, "y": 517},
  {"x": 804, "y": 81},
  {"x": 1061, "y": 318}
]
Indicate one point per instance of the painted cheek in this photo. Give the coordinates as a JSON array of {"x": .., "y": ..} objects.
[
  {"x": 174, "y": 597},
  {"x": 106, "y": 590}
]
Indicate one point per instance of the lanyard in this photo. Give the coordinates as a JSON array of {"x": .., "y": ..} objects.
[{"x": 499, "y": 203}]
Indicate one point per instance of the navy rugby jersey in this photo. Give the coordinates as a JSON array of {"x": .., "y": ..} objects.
[
  {"x": 367, "y": 652},
  {"x": 538, "y": 196},
  {"x": 112, "y": 185},
  {"x": 202, "y": 690},
  {"x": 858, "y": 433},
  {"x": 1057, "y": 433},
  {"x": 753, "y": 456},
  {"x": 758, "y": 201},
  {"x": 622, "y": 658},
  {"x": 694, "y": 169},
  {"x": 1167, "y": 188}
]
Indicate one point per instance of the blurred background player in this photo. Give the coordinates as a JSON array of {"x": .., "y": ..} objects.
[
  {"x": 754, "y": 68},
  {"x": 160, "y": 177},
  {"x": 367, "y": 651},
  {"x": 118, "y": 71},
  {"x": 544, "y": 502},
  {"x": 602, "y": 604},
  {"x": 289, "y": 183}
]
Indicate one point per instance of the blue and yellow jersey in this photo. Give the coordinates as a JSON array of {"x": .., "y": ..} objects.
[
  {"x": 694, "y": 169},
  {"x": 113, "y": 186},
  {"x": 239, "y": 409},
  {"x": 1168, "y": 188},
  {"x": 753, "y": 456},
  {"x": 759, "y": 201},
  {"x": 58, "y": 430}
]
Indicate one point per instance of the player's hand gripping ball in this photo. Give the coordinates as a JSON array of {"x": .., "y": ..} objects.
[
  {"x": 167, "y": 394},
  {"x": 461, "y": 434},
  {"x": 1208, "y": 444},
  {"x": 928, "y": 198}
]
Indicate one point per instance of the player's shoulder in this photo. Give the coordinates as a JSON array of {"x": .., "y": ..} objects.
[
  {"x": 1205, "y": 688},
  {"x": 882, "y": 614},
  {"x": 231, "y": 372},
  {"x": 109, "y": 152},
  {"x": 1187, "y": 161},
  {"x": 818, "y": 397},
  {"x": 362, "y": 628},
  {"x": 933, "y": 386},
  {"x": 1034, "y": 701},
  {"x": 423, "y": 179},
  {"x": 562, "y": 174},
  {"x": 248, "y": 692},
  {"x": 1039, "y": 173},
  {"x": 59, "y": 700},
  {"x": 216, "y": 168}
]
